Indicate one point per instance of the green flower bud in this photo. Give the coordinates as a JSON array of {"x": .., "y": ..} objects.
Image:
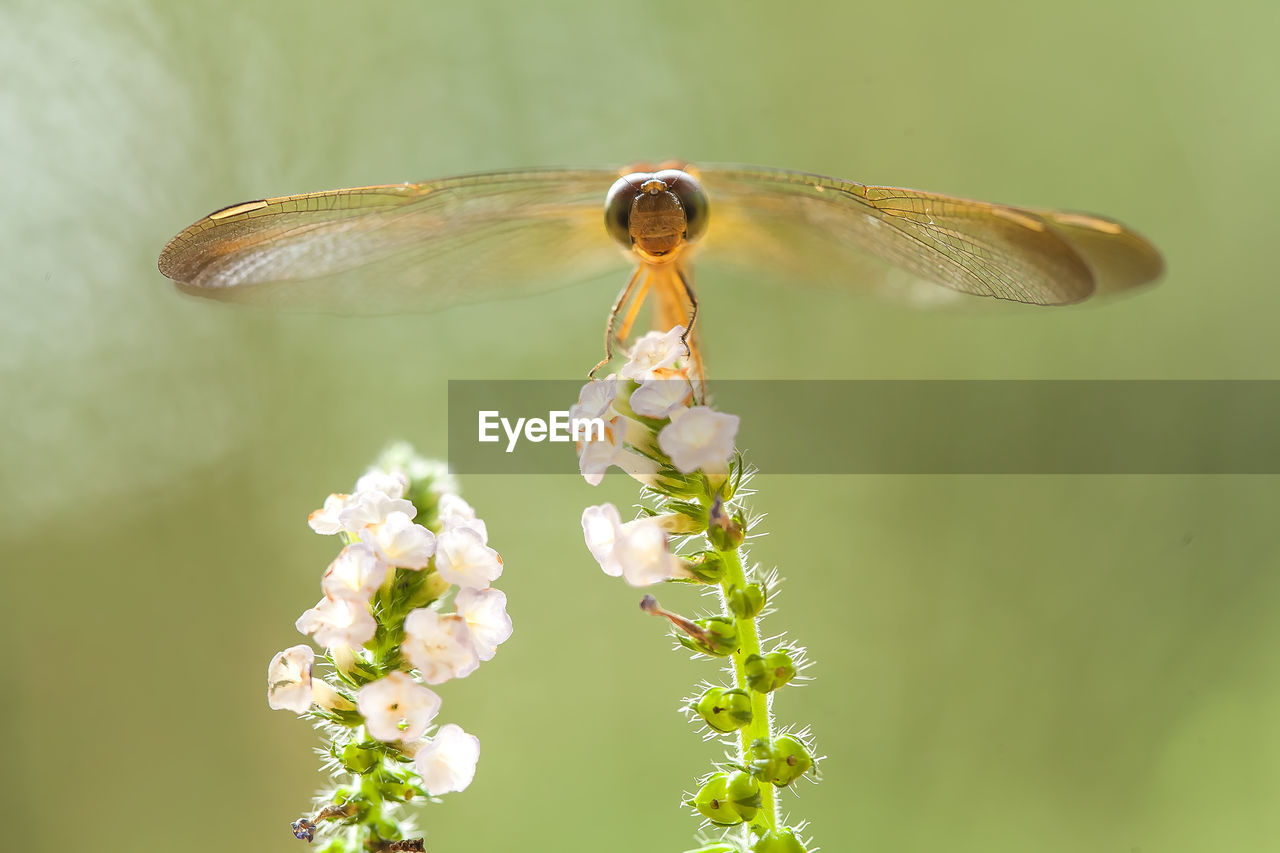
[
  {"x": 399, "y": 791},
  {"x": 726, "y": 533},
  {"x": 779, "y": 841},
  {"x": 763, "y": 761},
  {"x": 747, "y": 602},
  {"x": 744, "y": 795},
  {"x": 728, "y": 799},
  {"x": 724, "y": 710},
  {"x": 357, "y": 760},
  {"x": 718, "y": 637},
  {"x": 766, "y": 674},
  {"x": 712, "y": 800},
  {"x": 695, "y": 515},
  {"x": 707, "y": 567},
  {"x": 794, "y": 760},
  {"x": 779, "y": 763},
  {"x": 717, "y": 847}
]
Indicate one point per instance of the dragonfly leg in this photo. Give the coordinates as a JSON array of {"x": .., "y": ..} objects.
[
  {"x": 697, "y": 375},
  {"x": 639, "y": 276}
]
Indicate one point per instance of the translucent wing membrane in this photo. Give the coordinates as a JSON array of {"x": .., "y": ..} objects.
[
  {"x": 407, "y": 247},
  {"x": 421, "y": 247},
  {"x": 903, "y": 243}
]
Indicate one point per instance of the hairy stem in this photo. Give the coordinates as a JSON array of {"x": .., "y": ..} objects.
[{"x": 761, "y": 726}]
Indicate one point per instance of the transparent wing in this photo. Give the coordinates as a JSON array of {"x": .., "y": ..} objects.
[
  {"x": 904, "y": 243},
  {"x": 404, "y": 247}
]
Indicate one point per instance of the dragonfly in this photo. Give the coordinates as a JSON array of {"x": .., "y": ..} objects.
[{"x": 431, "y": 245}]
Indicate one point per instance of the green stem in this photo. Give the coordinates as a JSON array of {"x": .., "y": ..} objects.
[{"x": 761, "y": 726}]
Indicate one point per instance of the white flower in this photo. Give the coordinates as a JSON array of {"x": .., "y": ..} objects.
[
  {"x": 372, "y": 507},
  {"x": 699, "y": 438},
  {"x": 641, "y": 550},
  {"x": 636, "y": 551},
  {"x": 439, "y": 647},
  {"x": 595, "y": 457},
  {"x": 402, "y": 457},
  {"x": 595, "y": 398},
  {"x": 289, "y": 679},
  {"x": 356, "y": 574},
  {"x": 600, "y": 526},
  {"x": 660, "y": 396},
  {"x": 455, "y": 513},
  {"x": 485, "y": 612},
  {"x": 400, "y": 542},
  {"x": 393, "y": 484},
  {"x": 338, "y": 622},
  {"x": 397, "y": 707},
  {"x": 325, "y": 520},
  {"x": 653, "y": 352},
  {"x": 462, "y": 558},
  {"x": 448, "y": 761}
]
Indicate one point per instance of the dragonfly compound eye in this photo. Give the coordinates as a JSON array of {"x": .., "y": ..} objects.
[
  {"x": 617, "y": 206},
  {"x": 694, "y": 201}
]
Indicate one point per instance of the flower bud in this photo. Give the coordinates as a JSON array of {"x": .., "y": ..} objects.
[
  {"x": 712, "y": 800},
  {"x": 779, "y": 841},
  {"x": 779, "y": 763},
  {"x": 748, "y": 601},
  {"x": 726, "y": 533},
  {"x": 794, "y": 760},
  {"x": 763, "y": 762},
  {"x": 683, "y": 522},
  {"x": 718, "y": 637},
  {"x": 357, "y": 760},
  {"x": 724, "y": 710},
  {"x": 727, "y": 799},
  {"x": 718, "y": 847},
  {"x": 766, "y": 674},
  {"x": 326, "y": 697},
  {"x": 707, "y": 567},
  {"x": 744, "y": 795}
]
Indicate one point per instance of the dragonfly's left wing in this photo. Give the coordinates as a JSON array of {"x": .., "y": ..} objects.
[
  {"x": 402, "y": 247},
  {"x": 900, "y": 242}
]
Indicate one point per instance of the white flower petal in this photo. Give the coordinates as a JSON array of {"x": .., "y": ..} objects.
[
  {"x": 447, "y": 762},
  {"x": 439, "y": 646},
  {"x": 400, "y": 542},
  {"x": 595, "y": 400},
  {"x": 455, "y": 513},
  {"x": 653, "y": 352},
  {"x": 356, "y": 574},
  {"x": 641, "y": 551},
  {"x": 463, "y": 559},
  {"x": 485, "y": 612},
  {"x": 289, "y": 679},
  {"x": 397, "y": 707},
  {"x": 595, "y": 457},
  {"x": 660, "y": 396},
  {"x": 338, "y": 622},
  {"x": 699, "y": 438},
  {"x": 402, "y": 457},
  {"x": 600, "y": 527},
  {"x": 325, "y": 521},
  {"x": 393, "y": 484},
  {"x": 372, "y": 507}
]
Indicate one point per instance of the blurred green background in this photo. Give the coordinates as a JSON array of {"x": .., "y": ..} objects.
[{"x": 1010, "y": 664}]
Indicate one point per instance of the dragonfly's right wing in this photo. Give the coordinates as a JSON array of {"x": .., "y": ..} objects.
[
  {"x": 908, "y": 243},
  {"x": 402, "y": 247}
]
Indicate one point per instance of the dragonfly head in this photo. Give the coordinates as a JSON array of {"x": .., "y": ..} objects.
[{"x": 656, "y": 213}]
